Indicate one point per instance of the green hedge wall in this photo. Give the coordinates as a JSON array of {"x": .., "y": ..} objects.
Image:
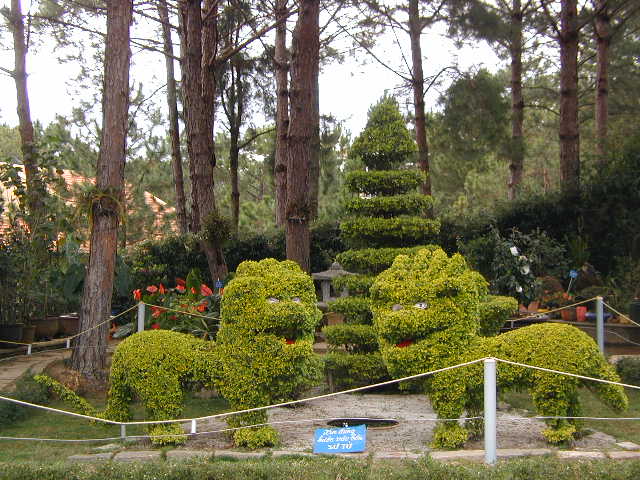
[
  {"x": 356, "y": 284},
  {"x": 350, "y": 370},
  {"x": 353, "y": 338},
  {"x": 375, "y": 260},
  {"x": 405, "y": 204},
  {"x": 388, "y": 232},
  {"x": 383, "y": 182},
  {"x": 355, "y": 309}
]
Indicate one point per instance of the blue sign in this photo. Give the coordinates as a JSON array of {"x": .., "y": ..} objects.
[
  {"x": 219, "y": 284},
  {"x": 340, "y": 440}
]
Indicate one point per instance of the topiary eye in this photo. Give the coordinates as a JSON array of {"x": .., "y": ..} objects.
[
  {"x": 422, "y": 305},
  {"x": 396, "y": 307},
  {"x": 272, "y": 300},
  {"x": 296, "y": 299}
]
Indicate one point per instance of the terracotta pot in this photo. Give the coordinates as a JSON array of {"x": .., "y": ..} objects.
[
  {"x": 28, "y": 333},
  {"x": 69, "y": 325},
  {"x": 581, "y": 314},
  {"x": 12, "y": 333},
  {"x": 46, "y": 327},
  {"x": 568, "y": 314}
]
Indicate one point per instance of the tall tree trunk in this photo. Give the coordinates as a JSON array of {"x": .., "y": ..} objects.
[
  {"x": 234, "y": 153},
  {"x": 35, "y": 189},
  {"x": 569, "y": 130},
  {"x": 199, "y": 92},
  {"x": 603, "y": 39},
  {"x": 89, "y": 354},
  {"x": 314, "y": 160},
  {"x": 282, "y": 111},
  {"x": 417, "y": 82},
  {"x": 305, "y": 51},
  {"x": 174, "y": 127},
  {"x": 516, "y": 164}
]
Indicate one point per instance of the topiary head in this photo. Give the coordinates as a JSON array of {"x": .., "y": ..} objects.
[
  {"x": 270, "y": 297},
  {"x": 425, "y": 299}
]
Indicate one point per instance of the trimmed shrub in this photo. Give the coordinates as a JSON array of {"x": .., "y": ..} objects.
[
  {"x": 353, "y": 338},
  {"x": 374, "y": 260},
  {"x": 355, "y": 309},
  {"x": 66, "y": 395},
  {"x": 406, "y": 204},
  {"x": 494, "y": 311},
  {"x": 383, "y": 182},
  {"x": 388, "y": 232},
  {"x": 426, "y": 314},
  {"x": 350, "y": 370},
  {"x": 629, "y": 370},
  {"x": 356, "y": 284}
]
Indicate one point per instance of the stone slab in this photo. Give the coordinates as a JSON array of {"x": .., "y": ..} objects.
[
  {"x": 109, "y": 447},
  {"x": 627, "y": 455},
  {"x": 188, "y": 454},
  {"x": 95, "y": 457},
  {"x": 283, "y": 453},
  {"x": 137, "y": 456},
  {"x": 238, "y": 455},
  {"x": 579, "y": 455},
  {"x": 628, "y": 445},
  {"x": 457, "y": 455},
  {"x": 522, "y": 452},
  {"x": 397, "y": 456}
]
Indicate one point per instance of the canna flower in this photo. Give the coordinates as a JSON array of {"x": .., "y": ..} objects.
[
  {"x": 193, "y": 290},
  {"x": 137, "y": 294},
  {"x": 157, "y": 311},
  {"x": 206, "y": 291},
  {"x": 180, "y": 288},
  {"x": 202, "y": 307},
  {"x": 155, "y": 326},
  {"x": 152, "y": 289},
  {"x": 162, "y": 290},
  {"x": 181, "y": 282}
]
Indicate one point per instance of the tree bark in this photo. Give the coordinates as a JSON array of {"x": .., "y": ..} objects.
[
  {"x": 234, "y": 154},
  {"x": 282, "y": 111},
  {"x": 603, "y": 40},
  {"x": 516, "y": 165},
  {"x": 35, "y": 189},
  {"x": 89, "y": 353},
  {"x": 569, "y": 132},
  {"x": 174, "y": 127},
  {"x": 199, "y": 94},
  {"x": 305, "y": 53},
  {"x": 417, "y": 81}
]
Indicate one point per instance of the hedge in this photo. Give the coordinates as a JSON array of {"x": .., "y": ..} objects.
[
  {"x": 374, "y": 260},
  {"x": 355, "y": 309},
  {"x": 349, "y": 370},
  {"x": 391, "y": 206},
  {"x": 355, "y": 284},
  {"x": 388, "y": 232},
  {"x": 383, "y": 182},
  {"x": 353, "y": 338}
]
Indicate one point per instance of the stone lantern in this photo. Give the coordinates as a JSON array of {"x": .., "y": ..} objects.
[{"x": 325, "y": 278}]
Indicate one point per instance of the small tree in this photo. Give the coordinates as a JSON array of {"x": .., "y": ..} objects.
[{"x": 385, "y": 217}]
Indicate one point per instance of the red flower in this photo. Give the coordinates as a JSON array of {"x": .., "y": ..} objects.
[
  {"x": 290, "y": 341},
  {"x": 157, "y": 311},
  {"x": 202, "y": 307},
  {"x": 404, "y": 343},
  {"x": 152, "y": 289},
  {"x": 180, "y": 288},
  {"x": 155, "y": 326},
  {"x": 162, "y": 290},
  {"x": 193, "y": 290},
  {"x": 180, "y": 282},
  {"x": 137, "y": 294},
  {"x": 206, "y": 291},
  {"x": 173, "y": 317}
]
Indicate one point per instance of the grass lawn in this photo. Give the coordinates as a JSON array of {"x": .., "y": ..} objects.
[
  {"x": 623, "y": 430},
  {"x": 42, "y": 424}
]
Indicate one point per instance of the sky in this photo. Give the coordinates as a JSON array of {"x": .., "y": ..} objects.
[{"x": 347, "y": 90}]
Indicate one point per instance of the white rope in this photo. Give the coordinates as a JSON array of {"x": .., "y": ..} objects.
[
  {"x": 620, "y": 314},
  {"x": 601, "y": 380},
  {"x": 541, "y": 314},
  {"x": 226, "y": 414}
]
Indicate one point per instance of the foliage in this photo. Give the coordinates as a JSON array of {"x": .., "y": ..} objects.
[
  {"x": 353, "y": 338},
  {"x": 383, "y": 182},
  {"x": 629, "y": 370},
  {"x": 388, "y": 232},
  {"x": 385, "y": 143},
  {"x": 349, "y": 370},
  {"x": 494, "y": 311},
  {"x": 374, "y": 260},
  {"x": 356, "y": 284},
  {"x": 216, "y": 229},
  {"x": 155, "y": 366},
  {"x": 27, "y": 390},
  {"x": 356, "y": 309},
  {"x": 265, "y": 342},
  {"x": 200, "y": 304},
  {"x": 407, "y": 204},
  {"x": 66, "y": 395},
  {"x": 426, "y": 315}
]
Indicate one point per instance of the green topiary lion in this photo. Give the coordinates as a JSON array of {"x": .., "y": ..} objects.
[
  {"x": 263, "y": 354},
  {"x": 426, "y": 309}
]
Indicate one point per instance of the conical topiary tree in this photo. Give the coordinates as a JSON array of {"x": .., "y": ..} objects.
[{"x": 384, "y": 218}]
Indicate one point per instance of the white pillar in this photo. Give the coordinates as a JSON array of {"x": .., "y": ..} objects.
[
  {"x": 600, "y": 323},
  {"x": 140, "y": 317},
  {"x": 490, "y": 456}
]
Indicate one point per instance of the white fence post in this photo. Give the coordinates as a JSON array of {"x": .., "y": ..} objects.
[
  {"x": 141, "y": 316},
  {"x": 193, "y": 426},
  {"x": 600, "y": 323},
  {"x": 29, "y": 349},
  {"x": 490, "y": 456},
  {"x": 123, "y": 431}
]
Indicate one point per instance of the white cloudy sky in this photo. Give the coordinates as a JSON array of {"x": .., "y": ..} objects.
[{"x": 346, "y": 90}]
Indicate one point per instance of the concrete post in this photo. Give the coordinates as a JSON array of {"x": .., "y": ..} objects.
[
  {"x": 123, "y": 431},
  {"x": 490, "y": 455},
  {"x": 141, "y": 316},
  {"x": 600, "y": 323},
  {"x": 193, "y": 426}
]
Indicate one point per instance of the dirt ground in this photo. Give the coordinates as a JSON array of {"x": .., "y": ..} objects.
[{"x": 412, "y": 434}]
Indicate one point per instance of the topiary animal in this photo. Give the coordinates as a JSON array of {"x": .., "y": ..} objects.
[
  {"x": 263, "y": 354},
  {"x": 426, "y": 309}
]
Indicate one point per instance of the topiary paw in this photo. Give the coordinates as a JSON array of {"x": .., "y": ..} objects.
[
  {"x": 560, "y": 435},
  {"x": 449, "y": 436},
  {"x": 255, "y": 437},
  {"x": 167, "y": 434}
]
